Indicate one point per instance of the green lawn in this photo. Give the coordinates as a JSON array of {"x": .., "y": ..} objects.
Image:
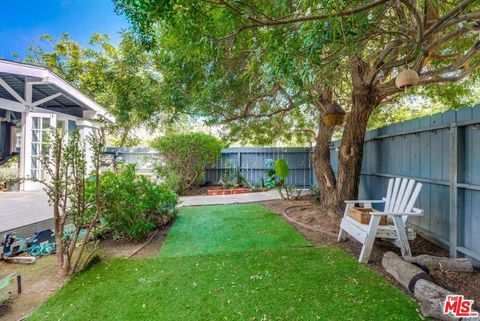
[
  {"x": 203, "y": 230},
  {"x": 247, "y": 264}
]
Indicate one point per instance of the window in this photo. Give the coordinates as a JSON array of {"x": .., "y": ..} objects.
[
  {"x": 40, "y": 135},
  {"x": 15, "y": 139}
]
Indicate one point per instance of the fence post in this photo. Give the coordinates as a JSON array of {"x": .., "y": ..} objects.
[
  {"x": 453, "y": 189},
  {"x": 310, "y": 165},
  {"x": 239, "y": 161}
]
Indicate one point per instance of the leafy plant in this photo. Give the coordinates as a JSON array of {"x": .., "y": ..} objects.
[
  {"x": 277, "y": 173},
  {"x": 9, "y": 173},
  {"x": 184, "y": 157},
  {"x": 315, "y": 191},
  {"x": 66, "y": 168},
  {"x": 233, "y": 177},
  {"x": 132, "y": 205},
  {"x": 8, "y": 176},
  {"x": 5, "y": 282}
]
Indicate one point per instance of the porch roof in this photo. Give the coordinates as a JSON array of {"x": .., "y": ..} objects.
[{"x": 26, "y": 86}]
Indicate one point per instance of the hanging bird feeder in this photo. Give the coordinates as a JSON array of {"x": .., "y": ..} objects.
[
  {"x": 407, "y": 78},
  {"x": 335, "y": 115}
]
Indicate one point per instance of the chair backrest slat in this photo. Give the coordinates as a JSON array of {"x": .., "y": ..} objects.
[
  {"x": 393, "y": 197},
  {"x": 412, "y": 200},
  {"x": 406, "y": 196},
  {"x": 400, "y": 195},
  {"x": 389, "y": 193}
]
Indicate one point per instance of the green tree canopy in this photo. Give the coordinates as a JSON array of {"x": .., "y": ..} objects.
[
  {"x": 119, "y": 78},
  {"x": 259, "y": 65},
  {"x": 277, "y": 68}
]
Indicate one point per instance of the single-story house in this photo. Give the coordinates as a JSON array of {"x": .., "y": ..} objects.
[{"x": 32, "y": 100}]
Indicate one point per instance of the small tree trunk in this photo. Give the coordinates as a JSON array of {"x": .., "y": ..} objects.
[{"x": 58, "y": 234}]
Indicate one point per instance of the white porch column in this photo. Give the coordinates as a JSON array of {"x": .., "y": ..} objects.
[
  {"x": 85, "y": 128},
  {"x": 23, "y": 147}
]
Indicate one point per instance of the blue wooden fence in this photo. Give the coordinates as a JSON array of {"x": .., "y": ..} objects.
[
  {"x": 442, "y": 151},
  {"x": 252, "y": 163}
]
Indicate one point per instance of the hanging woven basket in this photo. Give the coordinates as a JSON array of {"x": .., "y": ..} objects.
[
  {"x": 334, "y": 116},
  {"x": 406, "y": 78}
]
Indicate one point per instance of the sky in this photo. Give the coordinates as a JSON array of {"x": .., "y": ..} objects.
[{"x": 23, "y": 21}]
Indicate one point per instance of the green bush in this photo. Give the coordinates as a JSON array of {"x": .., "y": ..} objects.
[
  {"x": 184, "y": 157},
  {"x": 9, "y": 175},
  {"x": 132, "y": 205}
]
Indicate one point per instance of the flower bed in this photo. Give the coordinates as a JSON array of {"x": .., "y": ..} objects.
[{"x": 236, "y": 190}]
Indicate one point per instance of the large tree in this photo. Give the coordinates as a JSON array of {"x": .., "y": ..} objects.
[
  {"x": 276, "y": 68},
  {"x": 120, "y": 78}
]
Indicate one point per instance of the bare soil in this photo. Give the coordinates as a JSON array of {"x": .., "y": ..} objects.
[
  {"x": 123, "y": 249},
  {"x": 308, "y": 212},
  {"x": 41, "y": 279}
]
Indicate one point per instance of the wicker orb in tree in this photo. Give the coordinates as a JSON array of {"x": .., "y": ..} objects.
[
  {"x": 406, "y": 78},
  {"x": 335, "y": 115}
]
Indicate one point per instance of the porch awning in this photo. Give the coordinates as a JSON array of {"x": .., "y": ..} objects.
[{"x": 26, "y": 87}]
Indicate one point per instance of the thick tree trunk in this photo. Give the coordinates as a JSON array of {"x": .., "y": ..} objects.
[
  {"x": 325, "y": 176},
  {"x": 333, "y": 191},
  {"x": 351, "y": 150}
]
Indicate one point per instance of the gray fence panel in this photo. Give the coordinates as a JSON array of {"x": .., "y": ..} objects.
[
  {"x": 252, "y": 163},
  {"x": 421, "y": 149}
]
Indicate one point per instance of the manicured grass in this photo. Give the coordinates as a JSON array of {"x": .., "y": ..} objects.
[
  {"x": 271, "y": 278},
  {"x": 229, "y": 228},
  {"x": 295, "y": 284}
]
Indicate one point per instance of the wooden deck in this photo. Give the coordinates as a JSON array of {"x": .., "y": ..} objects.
[{"x": 18, "y": 209}]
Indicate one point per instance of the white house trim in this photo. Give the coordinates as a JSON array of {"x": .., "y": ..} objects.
[
  {"x": 48, "y": 77},
  {"x": 83, "y": 110},
  {"x": 11, "y": 91},
  {"x": 44, "y": 100}
]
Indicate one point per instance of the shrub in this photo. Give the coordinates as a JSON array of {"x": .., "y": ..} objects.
[
  {"x": 9, "y": 175},
  {"x": 132, "y": 205},
  {"x": 184, "y": 157}
]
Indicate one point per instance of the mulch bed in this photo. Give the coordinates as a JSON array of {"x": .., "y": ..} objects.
[{"x": 308, "y": 212}]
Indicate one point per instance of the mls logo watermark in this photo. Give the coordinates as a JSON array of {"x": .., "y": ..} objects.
[{"x": 459, "y": 307}]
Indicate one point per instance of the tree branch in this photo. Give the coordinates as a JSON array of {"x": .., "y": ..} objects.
[
  {"x": 257, "y": 22},
  {"x": 246, "y": 113},
  {"x": 445, "y": 18}
]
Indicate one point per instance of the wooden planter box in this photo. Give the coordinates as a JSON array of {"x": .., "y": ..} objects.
[{"x": 361, "y": 214}]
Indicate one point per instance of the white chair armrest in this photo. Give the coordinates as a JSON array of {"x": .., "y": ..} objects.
[
  {"x": 414, "y": 213},
  {"x": 362, "y": 201}
]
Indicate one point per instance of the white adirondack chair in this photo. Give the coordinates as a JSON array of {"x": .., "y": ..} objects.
[{"x": 399, "y": 201}]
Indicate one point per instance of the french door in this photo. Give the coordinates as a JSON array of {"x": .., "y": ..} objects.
[{"x": 38, "y": 127}]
